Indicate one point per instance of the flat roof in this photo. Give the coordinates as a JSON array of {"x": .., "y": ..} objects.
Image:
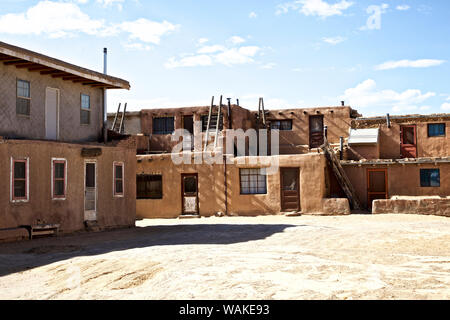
[{"x": 35, "y": 62}]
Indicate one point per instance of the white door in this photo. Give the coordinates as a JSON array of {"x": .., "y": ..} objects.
[
  {"x": 51, "y": 113},
  {"x": 90, "y": 191}
]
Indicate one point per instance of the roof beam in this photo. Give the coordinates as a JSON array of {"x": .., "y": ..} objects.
[
  {"x": 89, "y": 83},
  {"x": 71, "y": 77},
  {"x": 61, "y": 74},
  {"x": 79, "y": 80},
  {"x": 25, "y": 65},
  {"x": 15, "y": 61},
  {"x": 39, "y": 68},
  {"x": 50, "y": 71}
]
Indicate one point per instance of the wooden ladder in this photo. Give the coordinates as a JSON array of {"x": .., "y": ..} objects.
[
  {"x": 341, "y": 176},
  {"x": 214, "y": 122},
  {"x": 116, "y": 126}
]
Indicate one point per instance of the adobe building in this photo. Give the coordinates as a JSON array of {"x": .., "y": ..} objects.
[
  {"x": 57, "y": 166},
  {"x": 398, "y": 159}
]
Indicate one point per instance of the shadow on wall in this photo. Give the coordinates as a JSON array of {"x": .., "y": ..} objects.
[{"x": 22, "y": 256}]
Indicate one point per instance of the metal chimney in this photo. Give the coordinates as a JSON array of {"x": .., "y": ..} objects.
[{"x": 105, "y": 97}]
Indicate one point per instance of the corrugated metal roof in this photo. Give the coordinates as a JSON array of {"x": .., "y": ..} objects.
[{"x": 363, "y": 136}]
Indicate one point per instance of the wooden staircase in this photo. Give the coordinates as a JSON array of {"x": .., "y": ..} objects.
[{"x": 341, "y": 176}]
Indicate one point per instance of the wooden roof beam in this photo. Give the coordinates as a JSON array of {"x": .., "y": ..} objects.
[
  {"x": 39, "y": 68},
  {"x": 58, "y": 75},
  {"x": 25, "y": 65},
  {"x": 15, "y": 61},
  {"x": 89, "y": 83},
  {"x": 79, "y": 80},
  {"x": 51, "y": 71},
  {"x": 71, "y": 77}
]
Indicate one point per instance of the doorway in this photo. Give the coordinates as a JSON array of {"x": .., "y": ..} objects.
[
  {"x": 290, "y": 190},
  {"x": 51, "y": 114},
  {"x": 188, "y": 125},
  {"x": 377, "y": 186},
  {"x": 189, "y": 193},
  {"x": 90, "y": 191},
  {"x": 316, "y": 131},
  {"x": 408, "y": 141}
]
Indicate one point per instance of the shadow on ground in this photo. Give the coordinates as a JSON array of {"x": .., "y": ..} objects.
[{"x": 21, "y": 256}]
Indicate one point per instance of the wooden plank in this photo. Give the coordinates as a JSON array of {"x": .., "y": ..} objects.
[
  {"x": 13, "y": 62},
  {"x": 25, "y": 65}
]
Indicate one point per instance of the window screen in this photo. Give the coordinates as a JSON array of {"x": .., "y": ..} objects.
[
  {"x": 253, "y": 181},
  {"x": 430, "y": 178},
  {"x": 149, "y": 186},
  {"x": 163, "y": 125},
  {"x": 436, "y": 129},
  {"x": 281, "y": 124}
]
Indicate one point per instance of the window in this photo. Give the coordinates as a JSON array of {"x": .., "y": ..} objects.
[
  {"x": 59, "y": 176},
  {"x": 23, "y": 98},
  {"x": 253, "y": 181},
  {"x": 149, "y": 186},
  {"x": 85, "y": 113},
  {"x": 436, "y": 130},
  {"x": 163, "y": 125},
  {"x": 19, "y": 180},
  {"x": 204, "y": 119},
  {"x": 118, "y": 179},
  {"x": 430, "y": 178},
  {"x": 281, "y": 124}
]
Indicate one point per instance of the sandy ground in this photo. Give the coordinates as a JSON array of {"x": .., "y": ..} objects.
[{"x": 275, "y": 257}]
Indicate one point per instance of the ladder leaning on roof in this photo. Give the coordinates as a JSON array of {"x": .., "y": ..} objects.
[
  {"x": 121, "y": 127},
  {"x": 214, "y": 122}
]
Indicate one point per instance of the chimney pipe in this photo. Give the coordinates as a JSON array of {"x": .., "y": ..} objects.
[
  {"x": 105, "y": 104},
  {"x": 388, "y": 120},
  {"x": 343, "y": 103},
  {"x": 237, "y": 102}
]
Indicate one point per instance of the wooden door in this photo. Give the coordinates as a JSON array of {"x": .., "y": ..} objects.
[
  {"x": 51, "y": 113},
  {"x": 316, "y": 131},
  {"x": 408, "y": 141},
  {"x": 377, "y": 186},
  {"x": 290, "y": 190},
  {"x": 189, "y": 193}
]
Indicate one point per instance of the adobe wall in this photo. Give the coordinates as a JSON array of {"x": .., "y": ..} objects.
[
  {"x": 437, "y": 207},
  {"x": 212, "y": 191},
  {"x": 338, "y": 120},
  {"x": 33, "y": 127},
  {"x": 389, "y": 138},
  {"x": 111, "y": 211},
  {"x": 403, "y": 180},
  {"x": 132, "y": 122}
]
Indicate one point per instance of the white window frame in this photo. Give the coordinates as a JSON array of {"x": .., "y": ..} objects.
[
  {"x": 118, "y": 163},
  {"x": 27, "y": 179},
  {"x": 52, "y": 179}
]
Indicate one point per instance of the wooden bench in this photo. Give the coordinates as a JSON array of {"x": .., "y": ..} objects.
[{"x": 43, "y": 229}]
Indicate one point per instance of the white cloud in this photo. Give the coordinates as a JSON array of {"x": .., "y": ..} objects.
[
  {"x": 319, "y": 8},
  {"x": 107, "y": 3},
  {"x": 236, "y": 40},
  {"x": 334, "y": 40},
  {"x": 403, "y": 7},
  {"x": 65, "y": 19},
  {"x": 366, "y": 95},
  {"x": 445, "y": 106},
  {"x": 202, "y": 40},
  {"x": 269, "y": 65},
  {"x": 137, "y": 46},
  {"x": 374, "y": 20},
  {"x": 240, "y": 55},
  {"x": 423, "y": 63},
  {"x": 211, "y": 49},
  {"x": 252, "y": 15}
]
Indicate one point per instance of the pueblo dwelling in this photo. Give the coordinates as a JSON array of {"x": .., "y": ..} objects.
[
  {"x": 329, "y": 160},
  {"x": 60, "y": 169}
]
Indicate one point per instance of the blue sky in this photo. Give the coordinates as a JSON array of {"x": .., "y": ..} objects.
[{"x": 377, "y": 56}]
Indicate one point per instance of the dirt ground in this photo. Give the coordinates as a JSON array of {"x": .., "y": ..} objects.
[{"x": 274, "y": 257}]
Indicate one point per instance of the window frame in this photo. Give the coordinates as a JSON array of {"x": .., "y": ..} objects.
[
  {"x": 436, "y": 136},
  {"x": 280, "y": 126},
  {"x": 430, "y": 169},
  {"x": 165, "y": 132},
  {"x": 25, "y": 98},
  {"x": 115, "y": 179},
  {"x": 84, "y": 109},
  {"x": 13, "y": 198},
  {"x": 204, "y": 117},
  {"x": 146, "y": 191},
  {"x": 53, "y": 178},
  {"x": 257, "y": 184}
]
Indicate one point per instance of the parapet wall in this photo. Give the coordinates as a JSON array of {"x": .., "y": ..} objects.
[{"x": 427, "y": 206}]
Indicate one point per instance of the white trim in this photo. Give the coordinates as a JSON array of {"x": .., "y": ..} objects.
[
  {"x": 94, "y": 161},
  {"x": 27, "y": 179},
  {"x": 120, "y": 163},
  {"x": 52, "y": 177}
]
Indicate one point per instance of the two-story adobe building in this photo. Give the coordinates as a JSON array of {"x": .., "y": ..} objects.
[
  {"x": 383, "y": 157},
  {"x": 56, "y": 167}
]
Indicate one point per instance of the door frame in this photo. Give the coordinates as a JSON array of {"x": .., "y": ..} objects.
[
  {"x": 58, "y": 95},
  {"x": 401, "y": 138},
  {"x": 299, "y": 206},
  {"x": 94, "y": 212},
  {"x": 386, "y": 185},
  {"x": 182, "y": 193}
]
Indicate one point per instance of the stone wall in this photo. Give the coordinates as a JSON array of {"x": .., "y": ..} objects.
[{"x": 427, "y": 206}]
